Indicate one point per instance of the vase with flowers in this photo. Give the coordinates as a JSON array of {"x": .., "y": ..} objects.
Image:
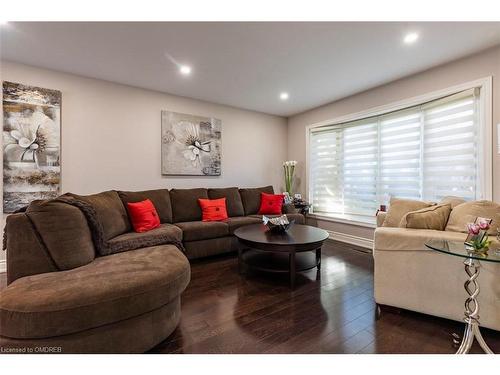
[
  {"x": 289, "y": 168},
  {"x": 477, "y": 239}
]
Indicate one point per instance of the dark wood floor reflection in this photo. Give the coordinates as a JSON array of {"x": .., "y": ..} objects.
[{"x": 223, "y": 312}]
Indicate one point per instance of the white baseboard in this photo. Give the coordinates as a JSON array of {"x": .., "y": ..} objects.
[
  {"x": 350, "y": 239},
  {"x": 3, "y": 266}
]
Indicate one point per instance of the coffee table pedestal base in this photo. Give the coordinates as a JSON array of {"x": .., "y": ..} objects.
[{"x": 279, "y": 262}]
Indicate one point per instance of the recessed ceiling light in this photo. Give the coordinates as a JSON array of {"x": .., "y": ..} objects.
[
  {"x": 284, "y": 96},
  {"x": 410, "y": 38},
  {"x": 185, "y": 70}
]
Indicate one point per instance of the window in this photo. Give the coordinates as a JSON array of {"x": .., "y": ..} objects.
[{"x": 424, "y": 152}]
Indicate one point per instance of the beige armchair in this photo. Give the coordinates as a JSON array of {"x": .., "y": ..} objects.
[{"x": 412, "y": 277}]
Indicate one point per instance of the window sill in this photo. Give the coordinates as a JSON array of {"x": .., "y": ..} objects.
[{"x": 358, "y": 220}]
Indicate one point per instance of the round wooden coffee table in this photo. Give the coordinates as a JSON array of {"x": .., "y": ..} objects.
[{"x": 298, "y": 249}]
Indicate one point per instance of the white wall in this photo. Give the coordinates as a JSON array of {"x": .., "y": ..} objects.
[
  {"x": 474, "y": 67},
  {"x": 111, "y": 136}
]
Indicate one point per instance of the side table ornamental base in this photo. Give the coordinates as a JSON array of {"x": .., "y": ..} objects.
[
  {"x": 472, "y": 267},
  {"x": 472, "y": 331}
]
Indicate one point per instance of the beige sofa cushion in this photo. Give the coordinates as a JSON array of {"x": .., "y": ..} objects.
[
  {"x": 452, "y": 201},
  {"x": 399, "y": 208},
  {"x": 433, "y": 217},
  {"x": 406, "y": 239},
  {"x": 467, "y": 212}
]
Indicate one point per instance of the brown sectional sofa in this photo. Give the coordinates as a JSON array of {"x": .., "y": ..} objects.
[{"x": 80, "y": 280}]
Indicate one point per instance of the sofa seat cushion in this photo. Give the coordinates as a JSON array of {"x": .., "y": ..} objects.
[
  {"x": 108, "y": 290},
  {"x": 299, "y": 218},
  {"x": 203, "y": 230},
  {"x": 237, "y": 222},
  {"x": 164, "y": 234},
  {"x": 406, "y": 239}
]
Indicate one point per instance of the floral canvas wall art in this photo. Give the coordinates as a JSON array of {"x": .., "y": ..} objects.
[
  {"x": 190, "y": 145},
  {"x": 31, "y": 144}
]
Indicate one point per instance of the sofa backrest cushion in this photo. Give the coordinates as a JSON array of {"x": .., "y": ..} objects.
[
  {"x": 433, "y": 217},
  {"x": 159, "y": 197},
  {"x": 110, "y": 212},
  {"x": 452, "y": 201},
  {"x": 399, "y": 208},
  {"x": 185, "y": 206},
  {"x": 468, "y": 212},
  {"x": 234, "y": 205},
  {"x": 251, "y": 198},
  {"x": 64, "y": 231}
]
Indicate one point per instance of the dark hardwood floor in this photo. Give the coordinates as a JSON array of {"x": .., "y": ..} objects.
[{"x": 223, "y": 312}]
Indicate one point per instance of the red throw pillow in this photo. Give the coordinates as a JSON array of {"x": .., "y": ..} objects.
[
  {"x": 213, "y": 209},
  {"x": 271, "y": 204},
  {"x": 143, "y": 216}
]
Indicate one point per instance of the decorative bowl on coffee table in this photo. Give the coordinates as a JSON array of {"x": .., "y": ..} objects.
[{"x": 278, "y": 224}]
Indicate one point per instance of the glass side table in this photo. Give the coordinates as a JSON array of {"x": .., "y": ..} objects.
[{"x": 472, "y": 266}]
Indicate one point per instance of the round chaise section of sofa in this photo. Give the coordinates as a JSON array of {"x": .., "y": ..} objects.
[{"x": 132, "y": 296}]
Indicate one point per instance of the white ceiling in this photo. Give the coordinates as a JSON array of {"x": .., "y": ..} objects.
[{"x": 246, "y": 65}]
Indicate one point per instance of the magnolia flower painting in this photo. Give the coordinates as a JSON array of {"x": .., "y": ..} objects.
[
  {"x": 190, "y": 145},
  {"x": 31, "y": 144}
]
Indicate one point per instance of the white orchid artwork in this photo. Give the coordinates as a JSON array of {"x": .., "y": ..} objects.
[
  {"x": 191, "y": 145},
  {"x": 188, "y": 134},
  {"x": 31, "y": 144},
  {"x": 30, "y": 136}
]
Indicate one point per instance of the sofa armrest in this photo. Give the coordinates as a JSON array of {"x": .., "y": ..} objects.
[
  {"x": 289, "y": 208},
  {"x": 381, "y": 218}
]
